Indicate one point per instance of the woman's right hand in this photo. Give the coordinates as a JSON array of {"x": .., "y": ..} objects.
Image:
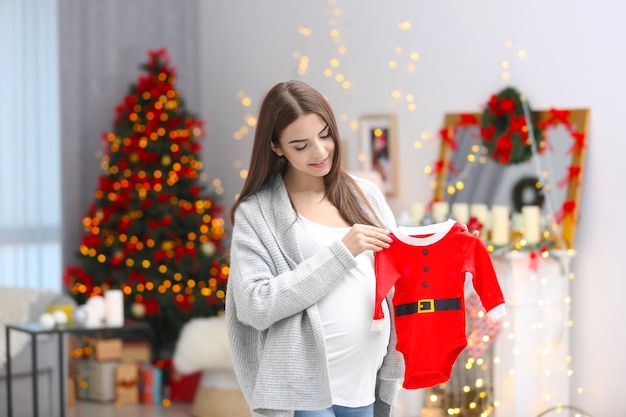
[{"x": 362, "y": 237}]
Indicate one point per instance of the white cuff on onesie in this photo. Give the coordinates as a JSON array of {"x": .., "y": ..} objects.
[
  {"x": 497, "y": 313},
  {"x": 377, "y": 325}
]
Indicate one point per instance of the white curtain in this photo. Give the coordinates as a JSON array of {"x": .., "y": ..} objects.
[{"x": 30, "y": 186}]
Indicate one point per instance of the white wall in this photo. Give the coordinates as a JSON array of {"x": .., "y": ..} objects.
[{"x": 574, "y": 58}]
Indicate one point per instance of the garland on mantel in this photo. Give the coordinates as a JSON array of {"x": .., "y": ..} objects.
[
  {"x": 536, "y": 253},
  {"x": 504, "y": 130}
]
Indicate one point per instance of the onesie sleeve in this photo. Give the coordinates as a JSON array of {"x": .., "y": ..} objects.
[
  {"x": 485, "y": 280},
  {"x": 386, "y": 276},
  {"x": 497, "y": 312}
]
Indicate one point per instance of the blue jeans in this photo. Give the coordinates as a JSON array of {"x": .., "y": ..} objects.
[{"x": 339, "y": 411}]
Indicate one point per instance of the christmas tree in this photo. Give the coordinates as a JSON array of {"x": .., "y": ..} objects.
[{"x": 153, "y": 230}]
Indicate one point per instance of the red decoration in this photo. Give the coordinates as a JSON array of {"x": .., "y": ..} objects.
[
  {"x": 562, "y": 117},
  {"x": 567, "y": 209},
  {"x": 556, "y": 117},
  {"x": 535, "y": 258},
  {"x": 572, "y": 172},
  {"x": 579, "y": 142},
  {"x": 474, "y": 224},
  {"x": 448, "y": 138},
  {"x": 502, "y": 153},
  {"x": 467, "y": 119},
  {"x": 488, "y": 133},
  {"x": 504, "y": 129},
  {"x": 183, "y": 387},
  {"x": 439, "y": 167}
]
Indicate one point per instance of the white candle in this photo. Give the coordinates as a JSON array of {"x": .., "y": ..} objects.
[
  {"x": 460, "y": 211},
  {"x": 530, "y": 216},
  {"x": 96, "y": 310},
  {"x": 500, "y": 230},
  {"x": 440, "y": 211},
  {"x": 417, "y": 212},
  {"x": 517, "y": 222},
  {"x": 114, "y": 303},
  {"x": 481, "y": 212}
]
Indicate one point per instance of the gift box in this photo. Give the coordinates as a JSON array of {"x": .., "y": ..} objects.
[
  {"x": 125, "y": 396},
  {"x": 136, "y": 352},
  {"x": 126, "y": 383},
  {"x": 71, "y": 392},
  {"x": 183, "y": 387},
  {"x": 150, "y": 384},
  {"x": 95, "y": 380},
  {"x": 108, "y": 349},
  {"x": 178, "y": 387}
]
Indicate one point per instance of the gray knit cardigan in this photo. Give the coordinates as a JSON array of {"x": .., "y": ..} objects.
[{"x": 274, "y": 327}]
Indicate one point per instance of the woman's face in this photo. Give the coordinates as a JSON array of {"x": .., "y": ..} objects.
[{"x": 307, "y": 145}]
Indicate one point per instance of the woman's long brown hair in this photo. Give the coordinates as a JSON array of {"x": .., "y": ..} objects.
[{"x": 282, "y": 105}]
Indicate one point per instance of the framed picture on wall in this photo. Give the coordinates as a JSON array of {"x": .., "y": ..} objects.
[{"x": 377, "y": 136}]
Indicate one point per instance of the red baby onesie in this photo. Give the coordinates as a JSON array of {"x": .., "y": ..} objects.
[{"x": 427, "y": 265}]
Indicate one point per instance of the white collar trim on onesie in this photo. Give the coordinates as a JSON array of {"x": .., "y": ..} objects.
[{"x": 434, "y": 233}]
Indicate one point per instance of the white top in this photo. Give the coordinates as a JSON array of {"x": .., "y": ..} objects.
[{"x": 354, "y": 351}]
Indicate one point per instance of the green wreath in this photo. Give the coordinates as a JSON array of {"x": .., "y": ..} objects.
[
  {"x": 504, "y": 130},
  {"x": 527, "y": 191}
]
